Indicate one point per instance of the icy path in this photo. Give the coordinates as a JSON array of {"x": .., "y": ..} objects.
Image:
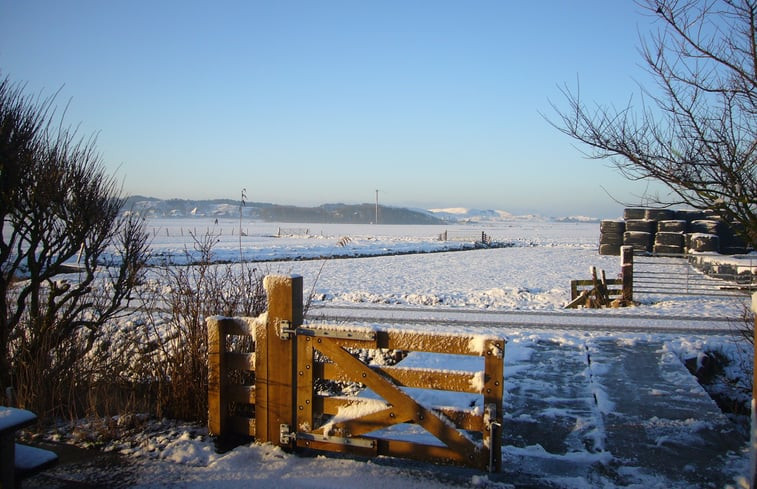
[{"x": 612, "y": 412}]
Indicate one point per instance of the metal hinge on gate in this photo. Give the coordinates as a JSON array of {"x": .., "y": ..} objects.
[
  {"x": 491, "y": 423},
  {"x": 285, "y": 330},
  {"x": 285, "y": 435},
  {"x": 336, "y": 333},
  {"x": 352, "y": 442}
]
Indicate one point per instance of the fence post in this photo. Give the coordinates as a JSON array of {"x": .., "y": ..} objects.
[
  {"x": 626, "y": 272},
  {"x": 274, "y": 363},
  {"x": 217, "y": 403},
  {"x": 494, "y": 360}
]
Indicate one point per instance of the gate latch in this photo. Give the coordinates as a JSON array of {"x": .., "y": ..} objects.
[
  {"x": 285, "y": 435},
  {"x": 285, "y": 330}
]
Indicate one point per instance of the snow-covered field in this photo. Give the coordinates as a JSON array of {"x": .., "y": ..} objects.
[{"x": 406, "y": 267}]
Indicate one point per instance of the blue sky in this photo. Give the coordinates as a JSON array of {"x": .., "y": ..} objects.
[{"x": 434, "y": 103}]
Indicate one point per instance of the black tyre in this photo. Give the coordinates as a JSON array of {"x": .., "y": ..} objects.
[
  {"x": 689, "y": 215},
  {"x": 668, "y": 249},
  {"x": 704, "y": 226},
  {"x": 640, "y": 225},
  {"x": 634, "y": 213},
  {"x": 659, "y": 214},
  {"x": 669, "y": 239},
  {"x": 676, "y": 226},
  {"x": 609, "y": 249},
  {"x": 640, "y": 241},
  {"x": 704, "y": 242},
  {"x": 612, "y": 227}
]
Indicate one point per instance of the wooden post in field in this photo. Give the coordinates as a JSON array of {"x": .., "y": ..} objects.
[
  {"x": 626, "y": 273},
  {"x": 274, "y": 362}
]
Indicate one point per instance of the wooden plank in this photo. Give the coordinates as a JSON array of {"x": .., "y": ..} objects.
[
  {"x": 415, "y": 341},
  {"x": 429, "y": 453},
  {"x": 493, "y": 393},
  {"x": 338, "y": 448},
  {"x": 242, "y": 425},
  {"x": 217, "y": 405},
  {"x": 261, "y": 386},
  {"x": 240, "y": 361},
  {"x": 405, "y": 407},
  {"x": 232, "y": 326},
  {"x": 414, "y": 377},
  {"x": 590, "y": 283},
  {"x": 284, "y": 312},
  {"x": 330, "y": 405},
  {"x": 429, "y": 342},
  {"x": 465, "y": 420},
  {"x": 240, "y": 393},
  {"x": 367, "y": 423},
  {"x": 626, "y": 272},
  {"x": 304, "y": 379},
  {"x": 399, "y": 449},
  {"x": 580, "y": 300}
]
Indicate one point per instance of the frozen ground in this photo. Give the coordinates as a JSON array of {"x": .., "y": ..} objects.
[{"x": 586, "y": 406}]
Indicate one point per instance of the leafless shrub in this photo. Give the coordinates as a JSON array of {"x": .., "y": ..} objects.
[
  {"x": 181, "y": 298},
  {"x": 57, "y": 204}
]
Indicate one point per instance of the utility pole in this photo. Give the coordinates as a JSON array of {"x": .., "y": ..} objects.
[{"x": 377, "y": 206}]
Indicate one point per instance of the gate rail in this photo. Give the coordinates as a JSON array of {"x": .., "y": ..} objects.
[
  {"x": 681, "y": 275},
  {"x": 269, "y": 391}
]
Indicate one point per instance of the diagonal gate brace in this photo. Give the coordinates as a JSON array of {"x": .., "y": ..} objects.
[{"x": 403, "y": 407}]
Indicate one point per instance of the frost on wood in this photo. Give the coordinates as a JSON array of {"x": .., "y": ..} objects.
[
  {"x": 478, "y": 345},
  {"x": 272, "y": 281},
  {"x": 354, "y": 410},
  {"x": 247, "y": 325},
  {"x": 478, "y": 381}
]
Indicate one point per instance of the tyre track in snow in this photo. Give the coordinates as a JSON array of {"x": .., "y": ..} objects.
[{"x": 590, "y": 321}]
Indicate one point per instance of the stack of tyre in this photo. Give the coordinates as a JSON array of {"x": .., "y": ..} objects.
[
  {"x": 640, "y": 230},
  {"x": 667, "y": 231},
  {"x": 703, "y": 232},
  {"x": 611, "y": 237}
]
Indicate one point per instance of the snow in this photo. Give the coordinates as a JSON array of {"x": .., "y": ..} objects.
[
  {"x": 530, "y": 276},
  {"x": 11, "y": 418}
]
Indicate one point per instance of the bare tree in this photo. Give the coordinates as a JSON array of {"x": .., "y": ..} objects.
[
  {"x": 56, "y": 204},
  {"x": 697, "y": 133}
]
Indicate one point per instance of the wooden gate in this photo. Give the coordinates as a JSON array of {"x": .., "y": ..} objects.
[{"x": 278, "y": 392}]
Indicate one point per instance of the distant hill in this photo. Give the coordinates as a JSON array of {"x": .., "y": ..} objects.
[{"x": 327, "y": 213}]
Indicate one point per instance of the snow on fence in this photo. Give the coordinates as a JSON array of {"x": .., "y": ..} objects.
[
  {"x": 274, "y": 390},
  {"x": 292, "y": 232},
  {"x": 465, "y": 236}
]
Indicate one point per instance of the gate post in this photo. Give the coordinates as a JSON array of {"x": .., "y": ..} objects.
[
  {"x": 274, "y": 362},
  {"x": 626, "y": 272}
]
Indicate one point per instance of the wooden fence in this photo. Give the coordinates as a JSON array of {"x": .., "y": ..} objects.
[
  {"x": 270, "y": 391},
  {"x": 600, "y": 291}
]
